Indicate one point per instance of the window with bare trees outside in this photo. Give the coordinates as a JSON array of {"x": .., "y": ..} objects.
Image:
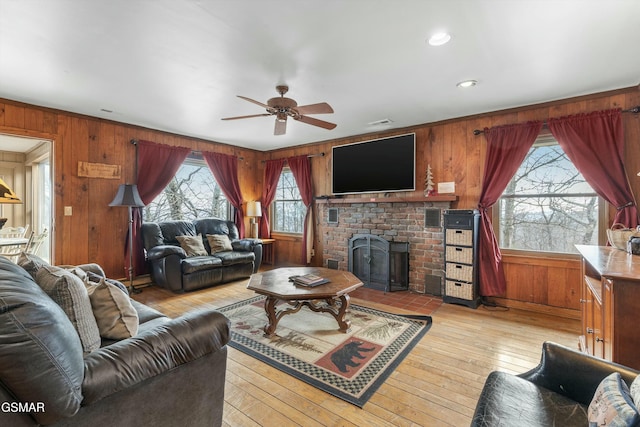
[
  {"x": 548, "y": 206},
  {"x": 287, "y": 210},
  {"x": 192, "y": 193}
]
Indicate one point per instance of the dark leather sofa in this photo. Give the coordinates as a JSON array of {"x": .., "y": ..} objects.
[
  {"x": 555, "y": 393},
  {"x": 172, "y": 372},
  {"x": 171, "y": 268}
]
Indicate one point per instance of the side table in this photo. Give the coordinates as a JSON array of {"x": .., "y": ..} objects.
[{"x": 269, "y": 251}]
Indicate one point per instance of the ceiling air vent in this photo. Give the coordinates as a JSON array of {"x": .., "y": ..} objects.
[{"x": 380, "y": 122}]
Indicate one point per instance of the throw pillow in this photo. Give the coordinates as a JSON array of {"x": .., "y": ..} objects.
[
  {"x": 31, "y": 263},
  {"x": 219, "y": 243},
  {"x": 612, "y": 404},
  {"x": 115, "y": 316},
  {"x": 192, "y": 245},
  {"x": 96, "y": 278},
  {"x": 635, "y": 391},
  {"x": 68, "y": 291}
]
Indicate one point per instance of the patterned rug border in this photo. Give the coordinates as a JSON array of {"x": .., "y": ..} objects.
[{"x": 361, "y": 392}]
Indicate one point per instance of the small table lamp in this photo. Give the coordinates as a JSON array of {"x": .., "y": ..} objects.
[
  {"x": 128, "y": 196},
  {"x": 7, "y": 196},
  {"x": 254, "y": 210}
]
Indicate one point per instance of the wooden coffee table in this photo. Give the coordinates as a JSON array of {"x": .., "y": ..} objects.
[{"x": 332, "y": 297}]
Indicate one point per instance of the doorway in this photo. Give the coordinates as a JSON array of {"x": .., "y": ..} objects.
[{"x": 25, "y": 164}]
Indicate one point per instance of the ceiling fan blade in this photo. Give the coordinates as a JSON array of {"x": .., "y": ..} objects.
[
  {"x": 316, "y": 122},
  {"x": 246, "y": 117},
  {"x": 253, "y": 100},
  {"x": 280, "y": 128},
  {"x": 320, "y": 108}
]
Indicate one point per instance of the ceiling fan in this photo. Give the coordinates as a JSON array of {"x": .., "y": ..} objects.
[{"x": 283, "y": 108}]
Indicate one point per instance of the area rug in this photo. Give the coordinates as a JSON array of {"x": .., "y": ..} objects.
[{"x": 308, "y": 345}]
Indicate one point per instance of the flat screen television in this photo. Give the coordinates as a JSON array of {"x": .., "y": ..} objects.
[{"x": 380, "y": 165}]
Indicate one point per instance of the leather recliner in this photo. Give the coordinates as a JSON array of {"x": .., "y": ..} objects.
[{"x": 171, "y": 268}]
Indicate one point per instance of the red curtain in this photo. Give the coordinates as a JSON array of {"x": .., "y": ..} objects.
[
  {"x": 225, "y": 171},
  {"x": 594, "y": 142},
  {"x": 157, "y": 165},
  {"x": 301, "y": 169},
  {"x": 272, "y": 171},
  {"x": 507, "y": 146}
]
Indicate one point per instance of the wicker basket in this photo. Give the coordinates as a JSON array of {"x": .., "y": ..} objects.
[
  {"x": 618, "y": 235},
  {"x": 459, "y": 290},
  {"x": 459, "y": 237},
  {"x": 459, "y": 272},
  {"x": 459, "y": 254}
]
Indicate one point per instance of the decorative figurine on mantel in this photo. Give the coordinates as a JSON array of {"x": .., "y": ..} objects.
[{"x": 428, "y": 183}]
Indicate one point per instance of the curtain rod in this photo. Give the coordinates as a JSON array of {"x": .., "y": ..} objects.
[
  {"x": 309, "y": 155},
  {"x": 135, "y": 142},
  {"x": 634, "y": 110}
]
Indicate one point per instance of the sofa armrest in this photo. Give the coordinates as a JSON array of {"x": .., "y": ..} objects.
[
  {"x": 158, "y": 252},
  {"x": 131, "y": 361},
  {"x": 245, "y": 244},
  {"x": 250, "y": 245},
  {"x": 573, "y": 373}
]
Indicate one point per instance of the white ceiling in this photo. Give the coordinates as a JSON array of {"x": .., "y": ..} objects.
[
  {"x": 18, "y": 144},
  {"x": 177, "y": 65}
]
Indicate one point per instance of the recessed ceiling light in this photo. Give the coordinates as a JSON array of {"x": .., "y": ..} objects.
[
  {"x": 439, "y": 39},
  {"x": 467, "y": 83}
]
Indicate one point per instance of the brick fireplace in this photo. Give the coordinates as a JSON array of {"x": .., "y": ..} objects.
[{"x": 416, "y": 221}]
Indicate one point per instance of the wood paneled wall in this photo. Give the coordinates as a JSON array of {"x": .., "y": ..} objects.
[
  {"x": 456, "y": 154},
  {"x": 97, "y": 232}
]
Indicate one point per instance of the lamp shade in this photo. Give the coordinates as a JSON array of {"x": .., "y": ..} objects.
[
  {"x": 6, "y": 194},
  {"x": 127, "y": 195},
  {"x": 254, "y": 209}
]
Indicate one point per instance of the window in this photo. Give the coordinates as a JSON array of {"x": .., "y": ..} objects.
[
  {"x": 287, "y": 210},
  {"x": 192, "y": 193},
  {"x": 548, "y": 206}
]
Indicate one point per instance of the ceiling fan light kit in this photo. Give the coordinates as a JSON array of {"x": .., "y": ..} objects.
[{"x": 283, "y": 108}]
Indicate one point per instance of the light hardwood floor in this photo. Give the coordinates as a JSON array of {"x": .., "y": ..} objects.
[{"x": 438, "y": 383}]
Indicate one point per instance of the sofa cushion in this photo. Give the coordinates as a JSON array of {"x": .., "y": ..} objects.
[
  {"x": 612, "y": 404},
  {"x": 219, "y": 243},
  {"x": 69, "y": 292},
  {"x": 235, "y": 257},
  {"x": 172, "y": 229},
  {"x": 115, "y": 316},
  {"x": 192, "y": 245},
  {"x": 199, "y": 263},
  {"x": 151, "y": 235},
  {"x": 36, "y": 336},
  {"x": 206, "y": 226},
  {"x": 513, "y": 401}
]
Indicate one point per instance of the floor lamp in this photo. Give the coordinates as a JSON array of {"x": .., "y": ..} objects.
[{"x": 128, "y": 196}]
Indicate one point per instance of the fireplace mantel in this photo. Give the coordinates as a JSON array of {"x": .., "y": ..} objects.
[{"x": 337, "y": 200}]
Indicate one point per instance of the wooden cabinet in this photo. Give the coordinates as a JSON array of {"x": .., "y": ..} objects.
[
  {"x": 610, "y": 304},
  {"x": 461, "y": 229}
]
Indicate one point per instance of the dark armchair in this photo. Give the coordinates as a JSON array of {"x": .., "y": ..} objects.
[{"x": 556, "y": 392}]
